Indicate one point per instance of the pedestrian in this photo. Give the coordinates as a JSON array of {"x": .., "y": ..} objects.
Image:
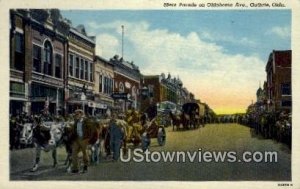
[
  {"x": 116, "y": 136},
  {"x": 82, "y": 132}
]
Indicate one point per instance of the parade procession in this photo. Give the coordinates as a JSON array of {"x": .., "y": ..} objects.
[{"x": 77, "y": 115}]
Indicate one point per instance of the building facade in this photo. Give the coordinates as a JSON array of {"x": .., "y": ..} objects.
[
  {"x": 126, "y": 81},
  {"x": 80, "y": 75},
  {"x": 38, "y": 50},
  {"x": 279, "y": 86},
  {"x": 104, "y": 83},
  {"x": 162, "y": 88}
]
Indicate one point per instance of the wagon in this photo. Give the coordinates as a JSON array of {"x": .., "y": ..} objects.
[
  {"x": 193, "y": 114},
  {"x": 142, "y": 128}
]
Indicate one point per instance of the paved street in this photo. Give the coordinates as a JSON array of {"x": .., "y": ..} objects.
[{"x": 213, "y": 137}]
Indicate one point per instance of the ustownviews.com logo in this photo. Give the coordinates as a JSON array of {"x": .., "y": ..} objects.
[{"x": 138, "y": 155}]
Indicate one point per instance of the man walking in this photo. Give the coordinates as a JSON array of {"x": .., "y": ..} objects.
[
  {"x": 116, "y": 136},
  {"x": 82, "y": 133}
]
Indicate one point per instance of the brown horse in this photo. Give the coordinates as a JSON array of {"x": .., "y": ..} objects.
[{"x": 176, "y": 121}]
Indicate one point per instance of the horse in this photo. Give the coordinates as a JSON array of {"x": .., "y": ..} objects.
[
  {"x": 186, "y": 120},
  {"x": 176, "y": 120}
]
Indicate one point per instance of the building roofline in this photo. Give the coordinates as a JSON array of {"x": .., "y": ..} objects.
[
  {"x": 73, "y": 30},
  {"x": 97, "y": 57}
]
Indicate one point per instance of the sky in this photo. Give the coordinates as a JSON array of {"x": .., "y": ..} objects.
[{"x": 220, "y": 55}]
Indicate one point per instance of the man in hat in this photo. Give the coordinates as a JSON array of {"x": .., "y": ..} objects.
[
  {"x": 82, "y": 133},
  {"x": 116, "y": 136}
]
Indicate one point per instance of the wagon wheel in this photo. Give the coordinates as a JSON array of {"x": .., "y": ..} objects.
[
  {"x": 146, "y": 141},
  {"x": 161, "y": 136}
]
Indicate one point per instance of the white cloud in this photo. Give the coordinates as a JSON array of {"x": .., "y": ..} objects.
[
  {"x": 204, "y": 67},
  {"x": 281, "y": 31},
  {"x": 107, "y": 45},
  {"x": 219, "y": 37}
]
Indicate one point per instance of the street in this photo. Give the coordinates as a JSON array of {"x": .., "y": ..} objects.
[{"x": 213, "y": 137}]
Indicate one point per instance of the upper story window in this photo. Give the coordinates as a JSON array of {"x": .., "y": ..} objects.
[
  {"x": 121, "y": 87},
  {"x": 58, "y": 65},
  {"x": 19, "y": 63},
  {"x": 71, "y": 64},
  {"x": 77, "y": 67},
  {"x": 82, "y": 69},
  {"x": 100, "y": 83},
  {"x": 37, "y": 58},
  {"x": 86, "y": 70},
  {"x": 133, "y": 92},
  {"x": 286, "y": 88},
  {"x": 91, "y": 72},
  {"x": 48, "y": 58}
]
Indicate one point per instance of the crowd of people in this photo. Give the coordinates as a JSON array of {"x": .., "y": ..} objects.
[{"x": 270, "y": 124}]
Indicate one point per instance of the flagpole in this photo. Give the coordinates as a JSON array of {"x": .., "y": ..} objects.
[{"x": 122, "y": 41}]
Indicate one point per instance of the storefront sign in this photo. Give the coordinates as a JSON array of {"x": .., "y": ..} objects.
[{"x": 124, "y": 96}]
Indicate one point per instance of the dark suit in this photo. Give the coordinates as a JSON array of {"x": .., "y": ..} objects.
[{"x": 81, "y": 143}]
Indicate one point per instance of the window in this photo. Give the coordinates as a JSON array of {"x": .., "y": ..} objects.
[
  {"x": 71, "y": 64},
  {"x": 91, "y": 72},
  {"x": 133, "y": 93},
  {"x": 111, "y": 86},
  {"x": 151, "y": 90},
  {"x": 77, "y": 67},
  {"x": 121, "y": 87},
  {"x": 100, "y": 83},
  {"x": 286, "y": 89},
  {"x": 286, "y": 103},
  {"x": 86, "y": 69},
  {"x": 19, "y": 52},
  {"x": 105, "y": 85},
  {"x": 81, "y": 69},
  {"x": 37, "y": 56},
  {"x": 17, "y": 89},
  {"x": 58, "y": 65},
  {"x": 48, "y": 58}
]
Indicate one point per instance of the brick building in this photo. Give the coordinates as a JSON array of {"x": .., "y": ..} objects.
[
  {"x": 38, "y": 49},
  {"x": 126, "y": 81},
  {"x": 279, "y": 88},
  {"x": 162, "y": 88}
]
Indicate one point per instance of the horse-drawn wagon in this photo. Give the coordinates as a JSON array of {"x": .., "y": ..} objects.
[
  {"x": 192, "y": 116},
  {"x": 141, "y": 128}
]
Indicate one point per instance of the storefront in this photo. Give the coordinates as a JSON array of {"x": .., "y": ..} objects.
[
  {"x": 45, "y": 95},
  {"x": 17, "y": 99}
]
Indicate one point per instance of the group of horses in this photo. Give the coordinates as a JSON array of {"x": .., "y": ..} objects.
[{"x": 186, "y": 121}]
